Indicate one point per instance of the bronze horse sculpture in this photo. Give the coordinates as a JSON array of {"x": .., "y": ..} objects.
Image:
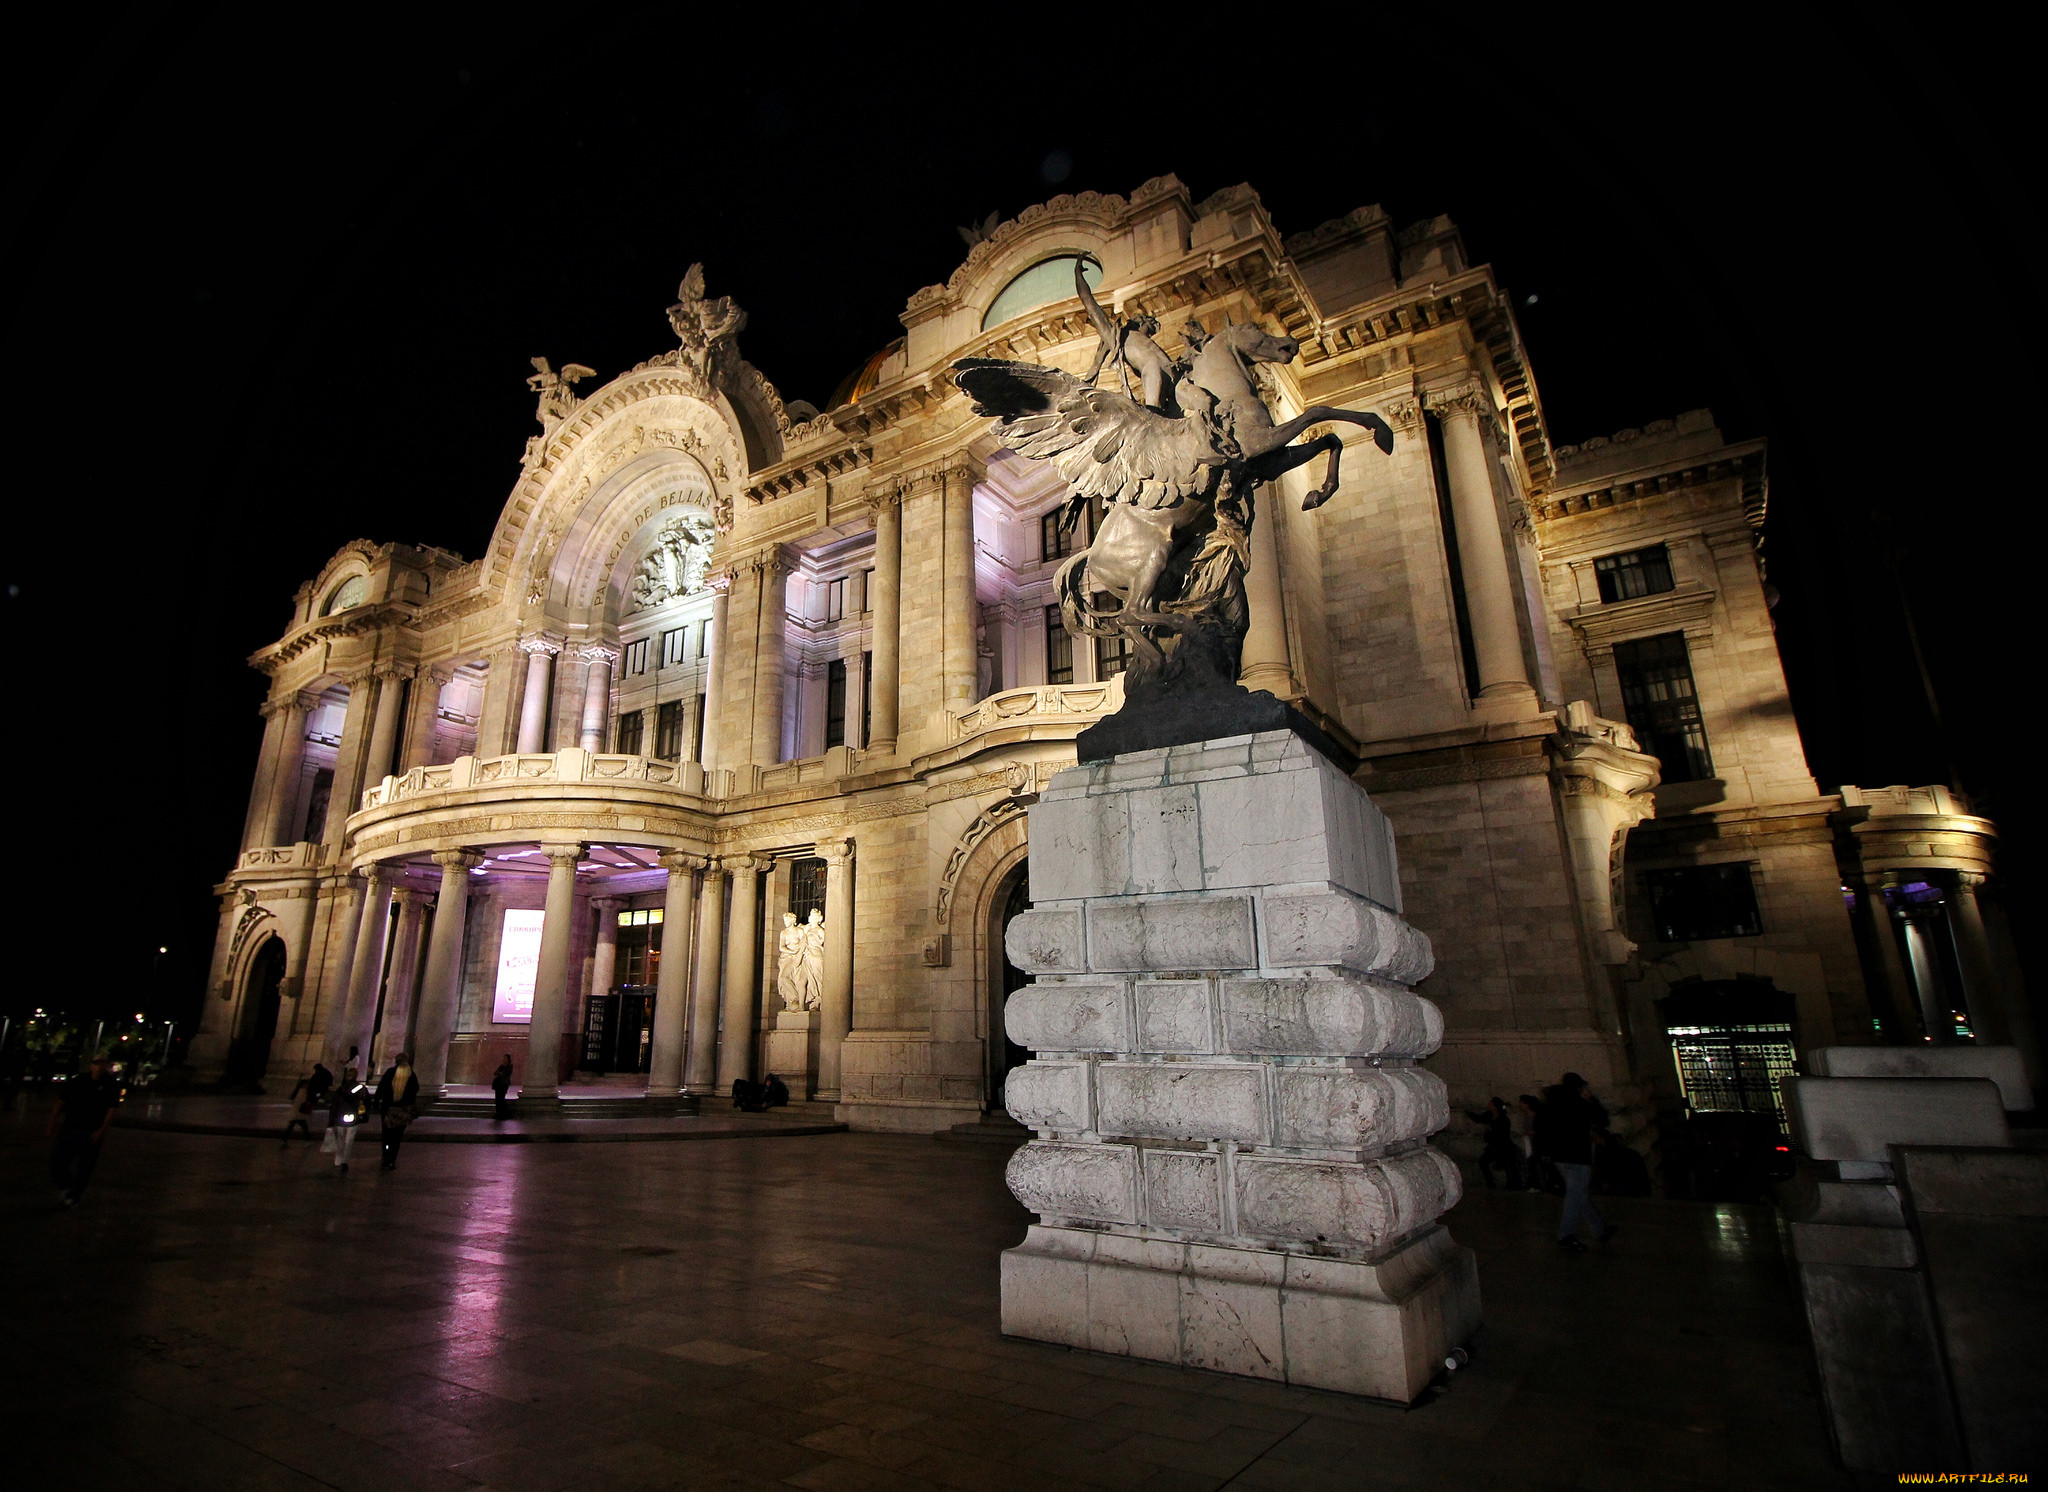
[{"x": 1176, "y": 476}]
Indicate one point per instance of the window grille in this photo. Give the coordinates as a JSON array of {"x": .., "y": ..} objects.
[
  {"x": 1059, "y": 649},
  {"x": 1733, "y": 1069},
  {"x": 1639, "y": 572},
  {"x": 806, "y": 887},
  {"x": 1662, "y": 707}
]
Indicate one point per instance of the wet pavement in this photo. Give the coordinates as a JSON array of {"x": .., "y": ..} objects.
[{"x": 224, "y": 1313}]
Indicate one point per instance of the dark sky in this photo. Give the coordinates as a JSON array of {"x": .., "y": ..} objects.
[{"x": 268, "y": 292}]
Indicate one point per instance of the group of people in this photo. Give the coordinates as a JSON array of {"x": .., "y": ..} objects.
[
  {"x": 1552, "y": 1144},
  {"x": 349, "y": 1102},
  {"x": 758, "y": 1098}
]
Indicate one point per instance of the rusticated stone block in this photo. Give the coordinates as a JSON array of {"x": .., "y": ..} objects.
[
  {"x": 1205, "y": 933},
  {"x": 1173, "y": 1016},
  {"x": 1046, "y": 940},
  {"x": 1341, "y": 1204},
  {"x": 1070, "y": 1016},
  {"x": 1341, "y": 1017},
  {"x": 1335, "y": 928},
  {"x": 1322, "y": 1108},
  {"x": 1095, "y": 1182},
  {"x": 1181, "y": 1101},
  {"x": 1184, "y": 1189},
  {"x": 1049, "y": 1095}
]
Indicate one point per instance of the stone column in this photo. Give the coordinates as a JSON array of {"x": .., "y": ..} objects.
[
  {"x": 1482, "y": 552},
  {"x": 394, "y": 1029},
  {"x": 1928, "y": 984},
  {"x": 345, "y": 919},
  {"x": 714, "y": 669},
  {"x": 702, "y": 1075},
  {"x": 427, "y": 684},
  {"x": 604, "y": 957},
  {"x": 1267, "y": 663},
  {"x": 736, "y": 1050},
  {"x": 345, "y": 796},
  {"x": 887, "y": 604},
  {"x": 257, "y": 823},
  {"x": 540, "y": 683},
  {"x": 960, "y": 608},
  {"x": 672, "y": 985},
  {"x": 2010, "y": 1021},
  {"x": 837, "y": 1010},
  {"x": 597, "y": 695},
  {"x": 441, "y": 984},
  {"x": 1891, "y": 993},
  {"x": 551, "y": 977},
  {"x": 384, "y": 733},
  {"x": 367, "y": 972},
  {"x": 769, "y": 627},
  {"x": 282, "y": 826}
]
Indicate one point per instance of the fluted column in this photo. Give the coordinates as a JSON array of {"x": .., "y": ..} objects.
[
  {"x": 394, "y": 1030},
  {"x": 367, "y": 972},
  {"x": 702, "y": 1074},
  {"x": 1482, "y": 552},
  {"x": 597, "y": 695},
  {"x": 1985, "y": 991},
  {"x": 441, "y": 984},
  {"x": 551, "y": 975},
  {"x": 736, "y": 1048},
  {"x": 836, "y": 1013},
  {"x": 770, "y": 625},
  {"x": 346, "y": 793},
  {"x": 1266, "y": 664},
  {"x": 672, "y": 984},
  {"x": 280, "y": 826},
  {"x": 887, "y": 604},
  {"x": 391, "y": 679},
  {"x": 257, "y": 822},
  {"x": 715, "y": 752},
  {"x": 960, "y": 608},
  {"x": 540, "y": 687},
  {"x": 1935, "y": 1014}
]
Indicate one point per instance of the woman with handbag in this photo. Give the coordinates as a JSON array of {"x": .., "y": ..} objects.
[
  {"x": 398, "y": 1097},
  {"x": 345, "y": 1113}
]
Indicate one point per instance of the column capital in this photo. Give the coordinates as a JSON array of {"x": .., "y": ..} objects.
[
  {"x": 559, "y": 853},
  {"x": 718, "y": 582},
  {"x": 960, "y": 467},
  {"x": 773, "y": 560},
  {"x": 742, "y": 864},
  {"x": 682, "y": 862},
  {"x": 835, "y": 852},
  {"x": 539, "y": 643},
  {"x": 598, "y": 652},
  {"x": 442, "y": 674},
  {"x": 453, "y": 860},
  {"x": 885, "y": 495},
  {"x": 372, "y": 874},
  {"x": 1466, "y": 399},
  {"x": 393, "y": 668},
  {"x": 1970, "y": 880},
  {"x": 607, "y": 903},
  {"x": 412, "y": 896}
]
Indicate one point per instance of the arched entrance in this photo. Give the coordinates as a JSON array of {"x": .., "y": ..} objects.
[
  {"x": 249, "y": 1054},
  {"x": 1012, "y": 895}
]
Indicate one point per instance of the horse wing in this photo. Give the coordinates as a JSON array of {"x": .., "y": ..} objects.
[{"x": 1105, "y": 443}]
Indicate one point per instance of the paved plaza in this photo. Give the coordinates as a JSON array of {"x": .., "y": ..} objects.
[{"x": 800, "y": 1311}]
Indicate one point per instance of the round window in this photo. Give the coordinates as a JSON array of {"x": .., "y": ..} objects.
[{"x": 1042, "y": 284}]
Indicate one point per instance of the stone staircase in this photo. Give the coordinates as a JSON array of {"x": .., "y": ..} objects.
[{"x": 612, "y": 1103}]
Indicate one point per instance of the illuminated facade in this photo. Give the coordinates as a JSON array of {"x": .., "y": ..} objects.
[{"x": 726, "y": 659}]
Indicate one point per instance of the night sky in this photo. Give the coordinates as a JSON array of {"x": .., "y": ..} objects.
[{"x": 268, "y": 292}]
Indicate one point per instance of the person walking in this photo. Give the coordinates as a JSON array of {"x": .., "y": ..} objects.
[
  {"x": 78, "y": 1127},
  {"x": 1537, "y": 1173},
  {"x": 345, "y": 1113},
  {"x": 501, "y": 1084},
  {"x": 398, "y": 1099},
  {"x": 1564, "y": 1136},
  {"x": 315, "y": 1085},
  {"x": 1499, "y": 1149}
]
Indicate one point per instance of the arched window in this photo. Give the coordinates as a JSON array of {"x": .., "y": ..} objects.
[
  {"x": 346, "y": 595},
  {"x": 1045, "y": 282}
]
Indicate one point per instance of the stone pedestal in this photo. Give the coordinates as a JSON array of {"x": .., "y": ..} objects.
[
  {"x": 1232, "y": 1169},
  {"x": 793, "y": 1051}
]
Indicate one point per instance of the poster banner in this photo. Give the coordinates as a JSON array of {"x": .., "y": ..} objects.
[{"x": 518, "y": 960}]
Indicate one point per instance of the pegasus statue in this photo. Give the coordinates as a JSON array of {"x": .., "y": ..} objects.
[{"x": 1175, "y": 467}]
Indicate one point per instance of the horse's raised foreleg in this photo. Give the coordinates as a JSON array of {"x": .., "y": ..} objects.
[
  {"x": 1273, "y": 464},
  {"x": 1258, "y": 443}
]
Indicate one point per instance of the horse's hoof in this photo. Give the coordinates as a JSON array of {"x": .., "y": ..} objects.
[{"x": 1316, "y": 499}]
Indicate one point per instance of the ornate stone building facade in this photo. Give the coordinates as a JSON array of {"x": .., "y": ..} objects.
[{"x": 727, "y": 659}]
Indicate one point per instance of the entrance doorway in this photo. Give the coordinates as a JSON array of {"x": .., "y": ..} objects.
[
  {"x": 249, "y": 1053},
  {"x": 1012, "y": 897},
  {"x": 618, "y": 1031}
]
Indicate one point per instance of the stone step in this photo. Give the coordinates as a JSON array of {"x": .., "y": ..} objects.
[
  {"x": 572, "y": 1106},
  {"x": 990, "y": 1129}
]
